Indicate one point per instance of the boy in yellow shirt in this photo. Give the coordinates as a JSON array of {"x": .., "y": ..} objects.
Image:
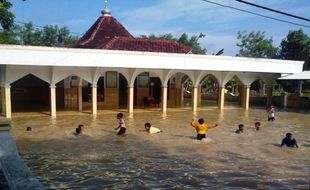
[{"x": 201, "y": 127}]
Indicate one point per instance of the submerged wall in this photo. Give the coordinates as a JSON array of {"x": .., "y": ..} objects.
[{"x": 14, "y": 174}]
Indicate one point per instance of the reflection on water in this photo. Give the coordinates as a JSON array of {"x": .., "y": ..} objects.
[{"x": 168, "y": 160}]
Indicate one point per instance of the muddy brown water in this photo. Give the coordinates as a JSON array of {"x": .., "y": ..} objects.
[{"x": 173, "y": 159}]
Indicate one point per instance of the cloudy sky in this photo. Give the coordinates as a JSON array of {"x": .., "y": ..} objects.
[{"x": 143, "y": 17}]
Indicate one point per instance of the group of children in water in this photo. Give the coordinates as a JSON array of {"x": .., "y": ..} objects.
[{"x": 200, "y": 126}]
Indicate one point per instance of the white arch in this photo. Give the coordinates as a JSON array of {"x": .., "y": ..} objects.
[
  {"x": 205, "y": 74},
  {"x": 98, "y": 72},
  {"x": 18, "y": 72},
  {"x": 61, "y": 73},
  {"x": 169, "y": 73},
  {"x": 136, "y": 72}
]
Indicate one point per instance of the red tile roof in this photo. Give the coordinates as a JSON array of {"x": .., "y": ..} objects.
[
  {"x": 108, "y": 33},
  {"x": 101, "y": 32},
  {"x": 140, "y": 44}
]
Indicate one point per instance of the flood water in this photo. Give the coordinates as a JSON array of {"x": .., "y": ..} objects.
[{"x": 172, "y": 159}]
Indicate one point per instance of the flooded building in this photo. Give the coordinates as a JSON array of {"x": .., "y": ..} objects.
[{"x": 110, "y": 69}]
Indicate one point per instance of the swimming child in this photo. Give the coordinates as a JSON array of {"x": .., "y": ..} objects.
[
  {"x": 240, "y": 129},
  {"x": 150, "y": 129},
  {"x": 79, "y": 129},
  {"x": 271, "y": 111},
  {"x": 29, "y": 129},
  {"x": 121, "y": 122},
  {"x": 289, "y": 141},
  {"x": 257, "y": 126},
  {"x": 201, "y": 127}
]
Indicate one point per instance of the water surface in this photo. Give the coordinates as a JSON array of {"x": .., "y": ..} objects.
[{"x": 172, "y": 159}]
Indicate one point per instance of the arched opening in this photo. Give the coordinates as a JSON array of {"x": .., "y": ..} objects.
[
  {"x": 147, "y": 90},
  {"x": 123, "y": 91},
  {"x": 180, "y": 90},
  {"x": 209, "y": 88},
  {"x": 30, "y": 93},
  {"x": 233, "y": 91},
  {"x": 73, "y": 93},
  {"x": 112, "y": 88},
  {"x": 258, "y": 93}
]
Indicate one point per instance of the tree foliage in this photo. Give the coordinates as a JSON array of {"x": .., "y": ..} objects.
[
  {"x": 184, "y": 39},
  {"x": 28, "y": 34},
  {"x": 6, "y": 16},
  {"x": 296, "y": 46},
  {"x": 255, "y": 44}
]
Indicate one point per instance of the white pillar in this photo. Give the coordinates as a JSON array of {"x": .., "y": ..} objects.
[
  {"x": 195, "y": 98},
  {"x": 7, "y": 97},
  {"x": 80, "y": 98},
  {"x": 53, "y": 100},
  {"x": 246, "y": 96},
  {"x": 2, "y": 100},
  {"x": 164, "y": 98},
  {"x": 130, "y": 98},
  {"x": 94, "y": 100},
  {"x": 221, "y": 97}
]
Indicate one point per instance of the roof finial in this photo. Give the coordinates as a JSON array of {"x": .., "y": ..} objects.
[{"x": 106, "y": 11}]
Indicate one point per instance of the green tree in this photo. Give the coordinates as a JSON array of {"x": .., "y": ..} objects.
[
  {"x": 6, "y": 16},
  {"x": 8, "y": 37},
  {"x": 255, "y": 44},
  {"x": 296, "y": 46},
  {"x": 184, "y": 39},
  {"x": 28, "y": 34}
]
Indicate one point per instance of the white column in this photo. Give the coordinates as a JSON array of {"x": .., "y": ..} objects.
[
  {"x": 80, "y": 98},
  {"x": 195, "y": 98},
  {"x": 246, "y": 96},
  {"x": 130, "y": 99},
  {"x": 221, "y": 97},
  {"x": 7, "y": 97},
  {"x": 164, "y": 99},
  {"x": 94, "y": 100},
  {"x": 2, "y": 100},
  {"x": 53, "y": 100}
]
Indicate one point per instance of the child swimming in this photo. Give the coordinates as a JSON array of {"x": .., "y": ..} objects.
[
  {"x": 257, "y": 126},
  {"x": 79, "y": 130},
  {"x": 150, "y": 129},
  {"x": 240, "y": 129},
  {"x": 289, "y": 141},
  {"x": 121, "y": 126}
]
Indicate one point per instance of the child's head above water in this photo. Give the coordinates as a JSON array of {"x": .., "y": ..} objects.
[
  {"x": 120, "y": 115},
  {"x": 257, "y": 126},
  {"x": 240, "y": 126},
  {"x": 147, "y": 126}
]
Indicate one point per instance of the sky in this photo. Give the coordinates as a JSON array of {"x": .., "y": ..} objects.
[{"x": 144, "y": 17}]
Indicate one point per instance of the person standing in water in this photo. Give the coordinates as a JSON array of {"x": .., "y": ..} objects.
[
  {"x": 201, "y": 127},
  {"x": 121, "y": 127},
  {"x": 270, "y": 112}
]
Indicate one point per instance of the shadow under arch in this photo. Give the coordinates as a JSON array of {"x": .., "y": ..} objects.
[
  {"x": 180, "y": 90},
  {"x": 209, "y": 91},
  {"x": 147, "y": 89},
  {"x": 73, "y": 94},
  {"x": 112, "y": 90},
  {"x": 258, "y": 93},
  {"x": 30, "y": 94},
  {"x": 233, "y": 91}
]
